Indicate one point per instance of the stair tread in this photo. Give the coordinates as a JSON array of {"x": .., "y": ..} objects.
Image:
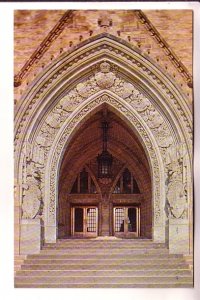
[{"x": 105, "y": 285}]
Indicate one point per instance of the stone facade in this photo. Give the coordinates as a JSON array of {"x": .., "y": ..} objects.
[{"x": 91, "y": 60}]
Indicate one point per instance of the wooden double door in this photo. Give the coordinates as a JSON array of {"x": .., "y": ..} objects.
[{"x": 125, "y": 220}]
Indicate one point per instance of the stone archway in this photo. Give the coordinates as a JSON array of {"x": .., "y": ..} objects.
[
  {"x": 81, "y": 154},
  {"x": 150, "y": 146},
  {"x": 67, "y": 93}
]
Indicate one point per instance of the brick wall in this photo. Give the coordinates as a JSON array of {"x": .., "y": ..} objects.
[{"x": 31, "y": 27}]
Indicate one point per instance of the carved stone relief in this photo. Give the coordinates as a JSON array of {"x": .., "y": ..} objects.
[
  {"x": 176, "y": 205},
  {"x": 105, "y": 77},
  {"x": 103, "y": 80},
  {"x": 139, "y": 63},
  {"x": 32, "y": 195},
  {"x": 32, "y": 182}
]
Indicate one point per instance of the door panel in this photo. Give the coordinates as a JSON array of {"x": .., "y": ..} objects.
[
  {"x": 126, "y": 221},
  {"x": 91, "y": 219},
  {"x": 132, "y": 219},
  {"x": 78, "y": 219},
  {"x": 119, "y": 219}
]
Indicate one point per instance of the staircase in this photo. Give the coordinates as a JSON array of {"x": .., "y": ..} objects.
[{"x": 96, "y": 263}]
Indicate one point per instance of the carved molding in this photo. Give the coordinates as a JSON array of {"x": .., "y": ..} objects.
[
  {"x": 99, "y": 81},
  {"x": 166, "y": 48},
  {"x": 170, "y": 95}
]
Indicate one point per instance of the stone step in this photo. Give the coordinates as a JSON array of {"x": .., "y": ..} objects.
[
  {"x": 189, "y": 260},
  {"x": 86, "y": 243},
  {"x": 89, "y": 261},
  {"x": 103, "y": 247},
  {"x": 18, "y": 261},
  {"x": 108, "y": 266},
  {"x": 97, "y": 257},
  {"x": 103, "y": 279},
  {"x": 108, "y": 241},
  {"x": 104, "y": 240},
  {"x": 162, "y": 272},
  {"x": 105, "y": 252},
  {"x": 105, "y": 285}
]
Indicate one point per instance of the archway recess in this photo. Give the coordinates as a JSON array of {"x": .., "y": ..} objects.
[
  {"x": 104, "y": 71},
  {"x": 121, "y": 189}
]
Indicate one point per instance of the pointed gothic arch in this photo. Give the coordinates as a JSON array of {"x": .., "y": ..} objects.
[{"x": 69, "y": 91}]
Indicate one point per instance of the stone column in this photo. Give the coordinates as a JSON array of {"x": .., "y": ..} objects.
[
  {"x": 50, "y": 233},
  {"x": 177, "y": 199},
  {"x": 105, "y": 213},
  {"x": 17, "y": 217}
]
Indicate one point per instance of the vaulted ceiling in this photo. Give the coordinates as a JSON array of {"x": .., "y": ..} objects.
[{"x": 86, "y": 144}]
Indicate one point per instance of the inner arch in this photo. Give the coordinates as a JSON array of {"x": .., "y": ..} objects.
[{"x": 128, "y": 154}]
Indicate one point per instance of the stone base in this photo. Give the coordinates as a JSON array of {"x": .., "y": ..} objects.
[
  {"x": 50, "y": 234},
  {"x": 159, "y": 233},
  {"x": 30, "y": 240},
  {"x": 178, "y": 236}
]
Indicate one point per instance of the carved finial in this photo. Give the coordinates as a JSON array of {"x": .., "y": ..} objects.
[{"x": 105, "y": 21}]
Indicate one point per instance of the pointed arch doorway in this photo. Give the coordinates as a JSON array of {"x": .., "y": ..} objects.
[
  {"x": 119, "y": 206},
  {"x": 152, "y": 108}
]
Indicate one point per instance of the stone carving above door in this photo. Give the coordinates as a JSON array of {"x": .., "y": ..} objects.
[
  {"x": 105, "y": 78},
  {"x": 103, "y": 46},
  {"x": 102, "y": 79}
]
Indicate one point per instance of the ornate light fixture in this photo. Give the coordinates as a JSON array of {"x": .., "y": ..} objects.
[{"x": 104, "y": 159}]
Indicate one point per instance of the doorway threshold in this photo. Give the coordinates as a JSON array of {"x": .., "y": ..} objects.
[{"x": 107, "y": 238}]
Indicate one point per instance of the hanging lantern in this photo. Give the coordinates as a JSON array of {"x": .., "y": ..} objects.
[{"x": 104, "y": 159}]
